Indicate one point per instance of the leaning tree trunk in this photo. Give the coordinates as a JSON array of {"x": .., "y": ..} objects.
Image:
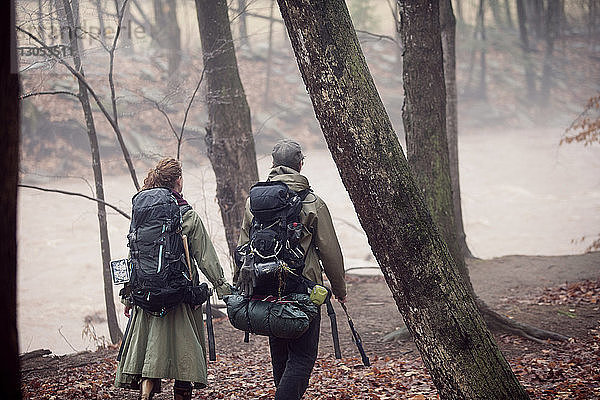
[
  {"x": 111, "y": 316},
  {"x": 10, "y": 379},
  {"x": 448, "y": 29},
  {"x": 229, "y": 139},
  {"x": 456, "y": 347}
]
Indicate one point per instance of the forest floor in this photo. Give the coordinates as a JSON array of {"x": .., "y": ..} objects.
[{"x": 558, "y": 293}]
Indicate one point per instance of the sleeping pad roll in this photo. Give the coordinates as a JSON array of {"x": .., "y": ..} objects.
[{"x": 285, "y": 317}]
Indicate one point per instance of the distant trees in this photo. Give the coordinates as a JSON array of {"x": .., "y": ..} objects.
[
  {"x": 458, "y": 351},
  {"x": 10, "y": 377},
  {"x": 229, "y": 140}
]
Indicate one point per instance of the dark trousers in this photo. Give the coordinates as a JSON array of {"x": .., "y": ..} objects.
[{"x": 293, "y": 361}]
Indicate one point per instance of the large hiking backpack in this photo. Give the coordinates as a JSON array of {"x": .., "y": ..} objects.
[
  {"x": 274, "y": 238},
  {"x": 160, "y": 278}
]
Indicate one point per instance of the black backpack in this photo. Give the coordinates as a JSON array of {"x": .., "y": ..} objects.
[
  {"x": 274, "y": 238},
  {"x": 160, "y": 278}
]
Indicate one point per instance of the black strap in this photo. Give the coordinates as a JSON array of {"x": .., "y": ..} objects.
[{"x": 184, "y": 208}]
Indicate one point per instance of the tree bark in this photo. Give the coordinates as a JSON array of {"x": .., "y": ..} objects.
[
  {"x": 457, "y": 349},
  {"x": 448, "y": 30},
  {"x": 10, "y": 377},
  {"x": 229, "y": 139},
  {"x": 111, "y": 316}
]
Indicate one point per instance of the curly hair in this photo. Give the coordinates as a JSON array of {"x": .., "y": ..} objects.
[{"x": 165, "y": 174}]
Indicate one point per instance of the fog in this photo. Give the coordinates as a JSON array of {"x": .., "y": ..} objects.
[{"x": 522, "y": 192}]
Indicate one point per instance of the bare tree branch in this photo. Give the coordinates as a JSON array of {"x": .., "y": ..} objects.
[
  {"x": 108, "y": 117},
  {"x": 57, "y": 92},
  {"x": 123, "y": 213},
  {"x": 378, "y": 36},
  {"x": 187, "y": 110},
  {"x": 158, "y": 106}
]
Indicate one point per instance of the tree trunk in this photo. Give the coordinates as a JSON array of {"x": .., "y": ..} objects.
[
  {"x": 509, "y": 20},
  {"x": 496, "y": 13},
  {"x": 40, "y": 16},
  {"x": 457, "y": 349},
  {"x": 269, "y": 58},
  {"x": 243, "y": 26},
  {"x": 522, "y": 17},
  {"x": 448, "y": 30},
  {"x": 459, "y": 12},
  {"x": 167, "y": 33},
  {"x": 529, "y": 73},
  {"x": 10, "y": 377},
  {"x": 537, "y": 7},
  {"x": 552, "y": 21},
  {"x": 431, "y": 163},
  {"x": 482, "y": 91},
  {"x": 113, "y": 325},
  {"x": 100, "y": 12},
  {"x": 229, "y": 139}
]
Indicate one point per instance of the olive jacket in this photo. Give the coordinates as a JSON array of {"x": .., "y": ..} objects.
[
  {"x": 173, "y": 346},
  {"x": 319, "y": 241}
]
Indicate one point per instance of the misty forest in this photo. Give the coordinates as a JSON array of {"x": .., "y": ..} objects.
[{"x": 455, "y": 142}]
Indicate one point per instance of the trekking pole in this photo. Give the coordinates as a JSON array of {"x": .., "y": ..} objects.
[
  {"x": 334, "y": 328},
  {"x": 187, "y": 254},
  {"x": 357, "y": 338},
  {"x": 212, "y": 354},
  {"x": 124, "y": 337}
]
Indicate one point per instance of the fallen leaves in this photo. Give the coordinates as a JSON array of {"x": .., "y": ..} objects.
[
  {"x": 565, "y": 370},
  {"x": 583, "y": 292}
]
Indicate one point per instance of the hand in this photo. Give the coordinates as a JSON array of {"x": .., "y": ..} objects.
[
  {"x": 341, "y": 299},
  {"x": 127, "y": 311},
  {"x": 247, "y": 279},
  {"x": 223, "y": 290}
]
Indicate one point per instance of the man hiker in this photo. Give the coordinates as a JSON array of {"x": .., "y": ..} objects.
[{"x": 293, "y": 359}]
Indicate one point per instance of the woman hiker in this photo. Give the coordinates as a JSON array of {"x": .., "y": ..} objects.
[{"x": 171, "y": 346}]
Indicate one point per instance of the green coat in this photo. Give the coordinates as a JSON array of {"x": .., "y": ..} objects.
[
  {"x": 173, "y": 346},
  {"x": 319, "y": 241}
]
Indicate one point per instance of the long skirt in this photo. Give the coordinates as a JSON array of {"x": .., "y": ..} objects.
[{"x": 170, "y": 347}]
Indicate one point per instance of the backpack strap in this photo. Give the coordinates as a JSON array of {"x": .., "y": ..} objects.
[
  {"x": 303, "y": 193},
  {"x": 184, "y": 208}
]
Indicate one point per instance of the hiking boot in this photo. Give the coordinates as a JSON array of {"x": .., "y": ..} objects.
[{"x": 182, "y": 393}]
